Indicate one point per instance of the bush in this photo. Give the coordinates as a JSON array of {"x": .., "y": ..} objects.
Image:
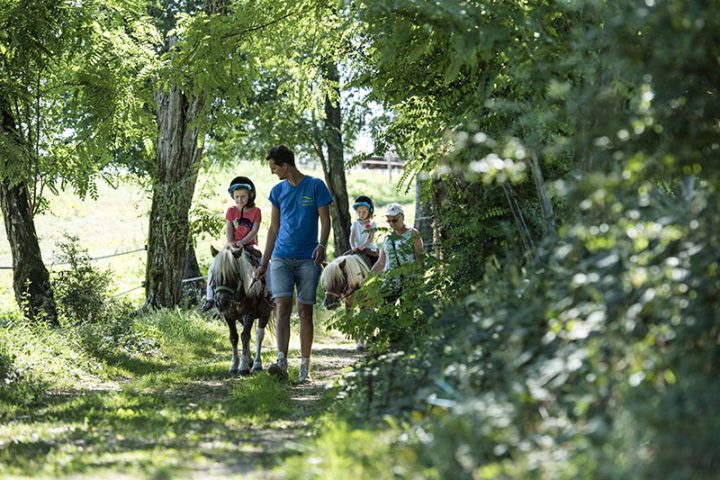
[
  {"x": 598, "y": 359},
  {"x": 83, "y": 293}
]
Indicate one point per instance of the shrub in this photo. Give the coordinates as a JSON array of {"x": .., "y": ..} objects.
[{"x": 82, "y": 292}]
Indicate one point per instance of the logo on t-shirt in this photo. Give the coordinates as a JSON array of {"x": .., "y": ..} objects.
[{"x": 307, "y": 201}]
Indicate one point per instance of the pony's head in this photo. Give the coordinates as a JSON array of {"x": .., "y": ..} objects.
[
  {"x": 341, "y": 278},
  {"x": 232, "y": 277}
]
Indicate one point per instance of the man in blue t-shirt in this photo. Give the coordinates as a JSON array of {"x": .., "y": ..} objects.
[{"x": 292, "y": 244}]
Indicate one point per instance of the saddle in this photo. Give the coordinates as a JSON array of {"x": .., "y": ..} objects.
[{"x": 368, "y": 256}]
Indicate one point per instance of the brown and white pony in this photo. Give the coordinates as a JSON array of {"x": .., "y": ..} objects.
[
  {"x": 238, "y": 296},
  {"x": 341, "y": 278}
]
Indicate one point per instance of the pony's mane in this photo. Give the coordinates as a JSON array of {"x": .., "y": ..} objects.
[
  {"x": 355, "y": 268},
  {"x": 231, "y": 272}
]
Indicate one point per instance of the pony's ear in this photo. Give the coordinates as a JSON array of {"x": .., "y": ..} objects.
[
  {"x": 213, "y": 250},
  {"x": 237, "y": 252},
  {"x": 342, "y": 263}
]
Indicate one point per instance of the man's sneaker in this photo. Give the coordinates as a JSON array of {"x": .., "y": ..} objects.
[
  {"x": 208, "y": 305},
  {"x": 304, "y": 374},
  {"x": 279, "y": 369}
]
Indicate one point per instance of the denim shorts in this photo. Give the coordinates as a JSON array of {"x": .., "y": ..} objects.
[{"x": 288, "y": 273}]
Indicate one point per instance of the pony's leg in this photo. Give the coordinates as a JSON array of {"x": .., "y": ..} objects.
[
  {"x": 234, "y": 344},
  {"x": 259, "y": 336},
  {"x": 244, "y": 367}
]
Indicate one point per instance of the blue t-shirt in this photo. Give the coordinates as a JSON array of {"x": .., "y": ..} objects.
[{"x": 297, "y": 236}]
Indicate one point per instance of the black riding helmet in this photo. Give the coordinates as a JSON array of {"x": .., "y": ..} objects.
[
  {"x": 364, "y": 201},
  {"x": 243, "y": 182}
]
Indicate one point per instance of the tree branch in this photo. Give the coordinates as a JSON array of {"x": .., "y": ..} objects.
[{"x": 262, "y": 26}]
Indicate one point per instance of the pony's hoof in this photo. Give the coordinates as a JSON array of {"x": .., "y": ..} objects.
[
  {"x": 244, "y": 372},
  {"x": 257, "y": 367},
  {"x": 233, "y": 371}
]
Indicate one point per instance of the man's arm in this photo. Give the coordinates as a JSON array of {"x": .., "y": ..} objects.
[{"x": 319, "y": 252}]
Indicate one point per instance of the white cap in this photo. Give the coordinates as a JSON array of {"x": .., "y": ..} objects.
[{"x": 393, "y": 209}]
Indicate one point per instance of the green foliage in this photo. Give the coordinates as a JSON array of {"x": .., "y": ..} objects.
[
  {"x": 286, "y": 93},
  {"x": 18, "y": 385},
  {"x": 83, "y": 293},
  {"x": 72, "y": 89},
  {"x": 204, "y": 220},
  {"x": 596, "y": 355}
]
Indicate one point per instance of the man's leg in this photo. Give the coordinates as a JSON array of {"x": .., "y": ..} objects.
[
  {"x": 308, "y": 277},
  {"x": 282, "y": 323},
  {"x": 283, "y": 279},
  {"x": 307, "y": 329}
]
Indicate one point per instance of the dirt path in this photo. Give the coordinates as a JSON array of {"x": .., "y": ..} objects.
[{"x": 282, "y": 437}]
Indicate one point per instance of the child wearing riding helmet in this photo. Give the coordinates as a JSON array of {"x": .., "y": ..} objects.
[
  {"x": 362, "y": 230},
  {"x": 242, "y": 222},
  {"x": 242, "y": 219}
]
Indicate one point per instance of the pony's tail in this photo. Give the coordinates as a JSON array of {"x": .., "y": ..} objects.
[
  {"x": 270, "y": 328},
  {"x": 271, "y": 324}
]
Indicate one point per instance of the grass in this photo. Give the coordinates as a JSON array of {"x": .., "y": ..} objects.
[
  {"x": 162, "y": 413},
  {"x": 343, "y": 452},
  {"x": 117, "y": 221}
]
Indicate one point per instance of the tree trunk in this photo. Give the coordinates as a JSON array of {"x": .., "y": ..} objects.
[
  {"x": 546, "y": 207},
  {"x": 438, "y": 201},
  {"x": 192, "y": 268},
  {"x": 174, "y": 176},
  {"x": 31, "y": 280},
  {"x": 423, "y": 212},
  {"x": 523, "y": 230},
  {"x": 335, "y": 168}
]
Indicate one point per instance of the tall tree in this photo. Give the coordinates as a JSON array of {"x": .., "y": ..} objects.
[
  {"x": 210, "y": 51},
  {"x": 334, "y": 166},
  {"x": 302, "y": 100},
  {"x": 69, "y": 102}
]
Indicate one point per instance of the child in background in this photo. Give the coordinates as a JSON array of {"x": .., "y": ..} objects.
[
  {"x": 242, "y": 224},
  {"x": 362, "y": 231}
]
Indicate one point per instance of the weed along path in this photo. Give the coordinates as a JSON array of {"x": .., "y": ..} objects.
[{"x": 175, "y": 414}]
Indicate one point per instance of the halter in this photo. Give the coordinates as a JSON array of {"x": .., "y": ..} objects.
[
  {"x": 223, "y": 288},
  {"x": 344, "y": 295}
]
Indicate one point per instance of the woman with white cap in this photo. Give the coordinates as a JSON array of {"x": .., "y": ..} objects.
[{"x": 403, "y": 246}]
